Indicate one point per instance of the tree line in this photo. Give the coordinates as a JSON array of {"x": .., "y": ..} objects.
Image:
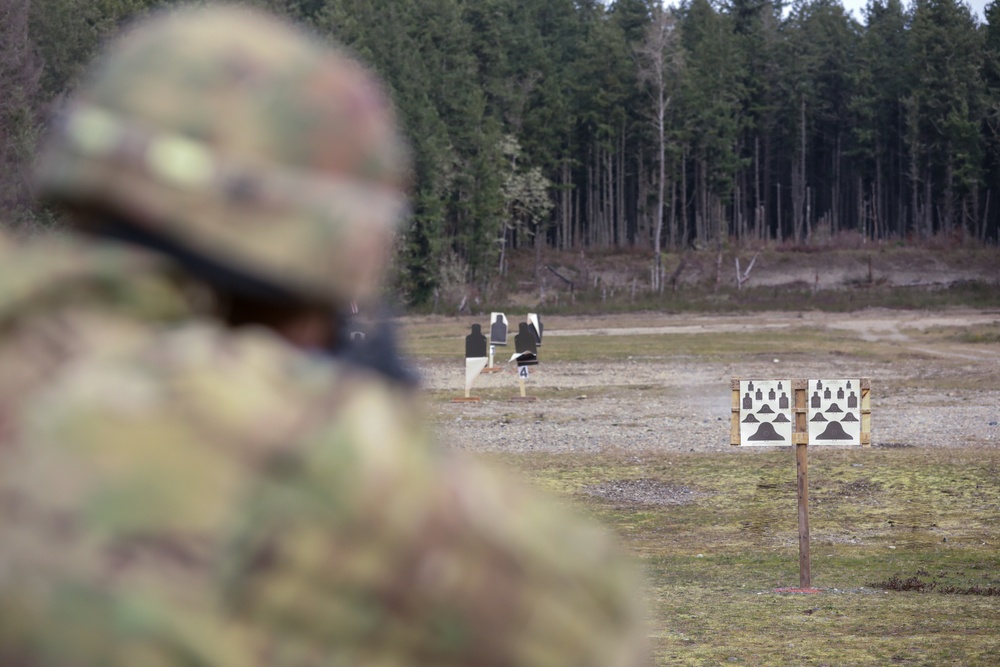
[{"x": 565, "y": 124}]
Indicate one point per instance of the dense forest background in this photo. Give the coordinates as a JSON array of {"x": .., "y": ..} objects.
[{"x": 565, "y": 124}]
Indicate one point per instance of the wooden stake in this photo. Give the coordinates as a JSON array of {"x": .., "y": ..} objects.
[
  {"x": 521, "y": 383},
  {"x": 801, "y": 439},
  {"x": 802, "y": 467},
  {"x": 734, "y": 422},
  {"x": 866, "y": 412}
]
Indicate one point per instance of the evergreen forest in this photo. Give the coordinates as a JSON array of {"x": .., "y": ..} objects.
[{"x": 572, "y": 124}]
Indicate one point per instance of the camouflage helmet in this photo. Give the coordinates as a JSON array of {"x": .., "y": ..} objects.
[{"x": 243, "y": 140}]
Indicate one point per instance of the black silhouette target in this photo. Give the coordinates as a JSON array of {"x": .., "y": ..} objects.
[
  {"x": 834, "y": 412},
  {"x": 765, "y": 412},
  {"x": 498, "y": 329},
  {"x": 475, "y": 343}
]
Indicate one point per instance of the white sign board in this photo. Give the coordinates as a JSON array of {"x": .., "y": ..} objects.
[
  {"x": 834, "y": 412},
  {"x": 766, "y": 416}
]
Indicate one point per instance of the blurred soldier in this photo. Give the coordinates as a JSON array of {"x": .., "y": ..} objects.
[{"x": 181, "y": 481}]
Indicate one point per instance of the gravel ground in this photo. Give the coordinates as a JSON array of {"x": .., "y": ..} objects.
[{"x": 930, "y": 398}]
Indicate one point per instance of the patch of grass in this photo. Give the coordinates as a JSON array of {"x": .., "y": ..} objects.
[
  {"x": 987, "y": 333},
  {"x": 922, "y": 582},
  {"x": 444, "y": 339},
  {"x": 712, "y": 564},
  {"x": 717, "y": 346}
]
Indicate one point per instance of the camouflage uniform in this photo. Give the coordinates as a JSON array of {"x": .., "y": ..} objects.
[{"x": 177, "y": 493}]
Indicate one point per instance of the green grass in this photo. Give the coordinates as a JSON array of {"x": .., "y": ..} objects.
[
  {"x": 444, "y": 338},
  {"x": 712, "y": 565},
  {"x": 985, "y": 333}
]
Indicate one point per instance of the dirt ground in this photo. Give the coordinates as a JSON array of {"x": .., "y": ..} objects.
[{"x": 929, "y": 388}]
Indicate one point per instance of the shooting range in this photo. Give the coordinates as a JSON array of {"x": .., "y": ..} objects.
[
  {"x": 632, "y": 424},
  {"x": 800, "y": 413}
]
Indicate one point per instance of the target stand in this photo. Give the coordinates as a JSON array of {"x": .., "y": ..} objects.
[
  {"x": 799, "y": 413},
  {"x": 524, "y": 360}
]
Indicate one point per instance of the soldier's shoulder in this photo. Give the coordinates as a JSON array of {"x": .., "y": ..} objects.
[
  {"x": 169, "y": 432},
  {"x": 61, "y": 267},
  {"x": 245, "y": 386}
]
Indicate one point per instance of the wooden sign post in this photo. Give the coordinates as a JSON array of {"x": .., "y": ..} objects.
[
  {"x": 522, "y": 376},
  {"x": 822, "y": 412},
  {"x": 801, "y": 438}
]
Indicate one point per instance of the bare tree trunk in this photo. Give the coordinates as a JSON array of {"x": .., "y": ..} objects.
[
  {"x": 878, "y": 193},
  {"x": 661, "y": 177},
  {"x": 835, "y": 205},
  {"x": 20, "y": 72},
  {"x": 565, "y": 236},
  {"x": 743, "y": 276},
  {"x": 673, "y": 215},
  {"x": 614, "y": 240},
  {"x": 781, "y": 235},
  {"x": 609, "y": 199},
  {"x": 808, "y": 215},
  {"x": 502, "y": 266},
  {"x": 577, "y": 221},
  {"x": 685, "y": 227},
  {"x": 591, "y": 216},
  {"x": 928, "y": 204},
  {"x": 658, "y": 56},
  {"x": 622, "y": 228},
  {"x": 860, "y": 197},
  {"x": 758, "y": 205},
  {"x": 718, "y": 271},
  {"x": 539, "y": 242},
  {"x": 799, "y": 178},
  {"x": 949, "y": 194},
  {"x": 677, "y": 272},
  {"x": 985, "y": 218},
  {"x": 914, "y": 192},
  {"x": 702, "y": 221}
]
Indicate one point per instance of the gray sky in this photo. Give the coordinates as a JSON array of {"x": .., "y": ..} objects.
[{"x": 858, "y": 7}]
